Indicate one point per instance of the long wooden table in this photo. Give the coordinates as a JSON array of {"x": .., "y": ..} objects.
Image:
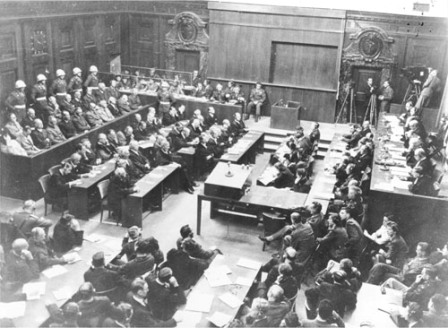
[
  {"x": 245, "y": 149},
  {"x": 150, "y": 190},
  {"x": 19, "y": 175},
  {"x": 389, "y": 194},
  {"x": 222, "y": 111},
  {"x": 236, "y": 289},
  {"x": 79, "y": 195},
  {"x": 35, "y": 310}
]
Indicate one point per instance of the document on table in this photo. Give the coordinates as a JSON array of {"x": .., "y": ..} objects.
[
  {"x": 63, "y": 293},
  {"x": 216, "y": 278},
  {"x": 94, "y": 238},
  {"x": 384, "y": 186},
  {"x": 199, "y": 302},
  {"x": 34, "y": 290},
  {"x": 219, "y": 319},
  {"x": 71, "y": 257},
  {"x": 231, "y": 300},
  {"x": 254, "y": 265},
  {"x": 399, "y": 184},
  {"x": 221, "y": 268},
  {"x": 54, "y": 271},
  {"x": 243, "y": 281},
  {"x": 12, "y": 310},
  {"x": 323, "y": 195}
]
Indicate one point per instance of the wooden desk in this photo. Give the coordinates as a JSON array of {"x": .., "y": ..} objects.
[
  {"x": 152, "y": 184},
  {"x": 78, "y": 195},
  {"x": 35, "y": 311},
  {"x": 369, "y": 300},
  {"x": 219, "y": 184},
  {"x": 256, "y": 200},
  {"x": 222, "y": 111},
  {"x": 245, "y": 149},
  {"x": 239, "y": 291},
  {"x": 19, "y": 175}
]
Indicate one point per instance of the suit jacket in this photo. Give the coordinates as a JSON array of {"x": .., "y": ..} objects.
[
  {"x": 397, "y": 250},
  {"x": 214, "y": 146},
  {"x": 164, "y": 301},
  {"x": 134, "y": 101},
  {"x": 137, "y": 267},
  {"x": 93, "y": 118},
  {"x": 102, "y": 278},
  {"x": 139, "y": 160},
  {"x": 388, "y": 94},
  {"x": 64, "y": 238},
  {"x": 67, "y": 128},
  {"x": 303, "y": 241},
  {"x": 40, "y": 139},
  {"x": 80, "y": 123},
  {"x": 210, "y": 120},
  {"x": 105, "y": 152},
  {"x": 422, "y": 186},
  {"x": 169, "y": 119},
  {"x": 25, "y": 222},
  {"x": 27, "y": 121},
  {"x": 317, "y": 222},
  {"x": 284, "y": 180},
  {"x": 143, "y": 317},
  {"x": 334, "y": 242},
  {"x": 163, "y": 158},
  {"x": 95, "y": 311},
  {"x": 341, "y": 296},
  {"x": 19, "y": 270},
  {"x": 55, "y": 135},
  {"x": 58, "y": 184},
  {"x": 237, "y": 127}
]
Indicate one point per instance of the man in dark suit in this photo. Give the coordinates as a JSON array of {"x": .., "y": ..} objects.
[
  {"x": 143, "y": 263},
  {"x": 237, "y": 127},
  {"x": 423, "y": 162},
  {"x": 210, "y": 119},
  {"x": 214, "y": 144},
  {"x": 257, "y": 98},
  {"x": 137, "y": 158},
  {"x": 422, "y": 184},
  {"x": 387, "y": 93},
  {"x": 285, "y": 178},
  {"x": 40, "y": 135},
  {"x": 165, "y": 294},
  {"x": 170, "y": 117},
  {"x": 203, "y": 156},
  {"x": 59, "y": 184},
  {"x": 25, "y": 220},
  {"x": 94, "y": 309}
]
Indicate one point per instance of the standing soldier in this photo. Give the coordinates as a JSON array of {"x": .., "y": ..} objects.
[
  {"x": 75, "y": 83},
  {"x": 165, "y": 99},
  {"x": 16, "y": 102},
  {"x": 387, "y": 93},
  {"x": 257, "y": 98},
  {"x": 39, "y": 96},
  {"x": 59, "y": 87},
  {"x": 92, "y": 80}
]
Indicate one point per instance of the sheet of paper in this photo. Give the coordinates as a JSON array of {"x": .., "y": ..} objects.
[
  {"x": 384, "y": 186},
  {"x": 323, "y": 195},
  {"x": 94, "y": 238},
  {"x": 189, "y": 318},
  {"x": 217, "y": 278},
  {"x": 71, "y": 257},
  {"x": 231, "y": 300},
  {"x": 54, "y": 271},
  {"x": 243, "y": 281},
  {"x": 250, "y": 264},
  {"x": 34, "y": 290},
  {"x": 220, "y": 268},
  {"x": 199, "y": 302},
  {"x": 399, "y": 184},
  {"x": 12, "y": 310},
  {"x": 219, "y": 319},
  {"x": 63, "y": 293}
]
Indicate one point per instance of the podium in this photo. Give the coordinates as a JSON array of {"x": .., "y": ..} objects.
[{"x": 285, "y": 116}]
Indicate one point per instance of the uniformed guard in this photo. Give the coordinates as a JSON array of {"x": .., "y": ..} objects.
[
  {"x": 165, "y": 99},
  {"x": 59, "y": 87},
  {"x": 92, "y": 80},
  {"x": 257, "y": 98},
  {"x": 75, "y": 83},
  {"x": 16, "y": 101},
  {"x": 39, "y": 96}
]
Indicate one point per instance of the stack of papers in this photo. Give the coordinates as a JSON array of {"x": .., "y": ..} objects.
[
  {"x": 217, "y": 278},
  {"x": 199, "y": 302},
  {"x": 219, "y": 319},
  {"x": 189, "y": 319},
  {"x": 71, "y": 257},
  {"x": 94, "y": 238},
  {"x": 12, "y": 310},
  {"x": 34, "y": 290},
  {"x": 254, "y": 265},
  {"x": 54, "y": 271}
]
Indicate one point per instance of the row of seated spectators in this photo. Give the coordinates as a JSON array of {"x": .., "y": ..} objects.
[{"x": 209, "y": 139}]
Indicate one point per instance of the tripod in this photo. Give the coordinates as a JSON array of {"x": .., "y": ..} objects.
[
  {"x": 352, "y": 109},
  {"x": 372, "y": 111},
  {"x": 412, "y": 92}
]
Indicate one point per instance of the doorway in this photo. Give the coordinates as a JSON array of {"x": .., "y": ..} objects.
[
  {"x": 360, "y": 76},
  {"x": 187, "y": 60}
]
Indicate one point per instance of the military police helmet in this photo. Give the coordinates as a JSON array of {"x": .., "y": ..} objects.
[
  {"x": 76, "y": 70},
  {"x": 60, "y": 72},
  {"x": 93, "y": 68},
  {"x": 41, "y": 77},
  {"x": 20, "y": 84}
]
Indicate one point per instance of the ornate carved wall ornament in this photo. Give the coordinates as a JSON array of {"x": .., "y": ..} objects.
[
  {"x": 39, "y": 44},
  {"x": 188, "y": 33},
  {"x": 370, "y": 44}
]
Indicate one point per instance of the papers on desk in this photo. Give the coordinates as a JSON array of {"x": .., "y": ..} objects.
[
  {"x": 34, "y": 290},
  {"x": 323, "y": 195},
  {"x": 94, "y": 238},
  {"x": 245, "y": 263},
  {"x": 400, "y": 184},
  {"x": 12, "y": 310},
  {"x": 217, "y": 278},
  {"x": 199, "y": 302},
  {"x": 243, "y": 281},
  {"x": 219, "y": 319},
  {"x": 71, "y": 257},
  {"x": 384, "y": 186},
  {"x": 63, "y": 293},
  {"x": 231, "y": 300},
  {"x": 54, "y": 271},
  {"x": 189, "y": 318}
]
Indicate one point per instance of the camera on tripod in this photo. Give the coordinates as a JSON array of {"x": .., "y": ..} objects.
[{"x": 412, "y": 73}]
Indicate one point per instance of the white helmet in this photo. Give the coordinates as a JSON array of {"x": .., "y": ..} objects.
[
  {"x": 41, "y": 77},
  {"x": 76, "y": 70},
  {"x": 20, "y": 84},
  {"x": 93, "y": 68},
  {"x": 60, "y": 72}
]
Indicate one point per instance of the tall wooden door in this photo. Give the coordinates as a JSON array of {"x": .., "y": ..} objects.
[
  {"x": 187, "y": 60},
  {"x": 360, "y": 76}
]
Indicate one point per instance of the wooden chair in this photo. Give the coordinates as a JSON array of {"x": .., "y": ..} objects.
[
  {"x": 272, "y": 222},
  {"x": 103, "y": 189},
  {"x": 54, "y": 169},
  {"x": 44, "y": 180}
]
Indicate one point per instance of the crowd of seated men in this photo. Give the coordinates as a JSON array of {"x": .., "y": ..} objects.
[{"x": 291, "y": 165}]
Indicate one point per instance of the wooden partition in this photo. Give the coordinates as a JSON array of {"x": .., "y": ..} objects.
[
  {"x": 250, "y": 43},
  {"x": 19, "y": 175}
]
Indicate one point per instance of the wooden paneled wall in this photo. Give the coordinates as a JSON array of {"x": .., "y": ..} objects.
[
  {"x": 418, "y": 41},
  {"x": 243, "y": 40}
]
